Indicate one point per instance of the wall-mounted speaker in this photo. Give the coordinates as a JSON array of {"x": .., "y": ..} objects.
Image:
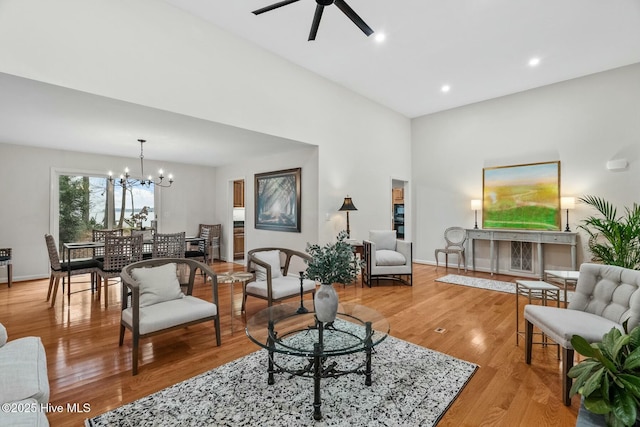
[{"x": 617, "y": 165}]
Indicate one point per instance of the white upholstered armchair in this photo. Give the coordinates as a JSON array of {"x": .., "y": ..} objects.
[
  {"x": 605, "y": 297},
  {"x": 386, "y": 257}
]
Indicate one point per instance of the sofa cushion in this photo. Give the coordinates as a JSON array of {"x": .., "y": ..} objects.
[
  {"x": 3, "y": 335},
  {"x": 24, "y": 413},
  {"x": 157, "y": 284},
  {"x": 273, "y": 259},
  {"x": 23, "y": 365},
  {"x": 154, "y": 317},
  {"x": 387, "y": 257},
  {"x": 282, "y": 287},
  {"x": 384, "y": 239}
]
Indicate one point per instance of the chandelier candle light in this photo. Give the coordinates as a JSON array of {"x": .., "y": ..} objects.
[{"x": 125, "y": 180}]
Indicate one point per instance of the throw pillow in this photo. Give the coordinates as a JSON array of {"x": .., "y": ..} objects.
[
  {"x": 3, "y": 335},
  {"x": 384, "y": 239},
  {"x": 157, "y": 284},
  {"x": 273, "y": 259}
]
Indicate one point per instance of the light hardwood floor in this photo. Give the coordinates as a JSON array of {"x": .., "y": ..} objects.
[{"x": 86, "y": 365}]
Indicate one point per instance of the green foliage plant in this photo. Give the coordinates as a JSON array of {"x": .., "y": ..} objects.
[
  {"x": 333, "y": 262},
  {"x": 613, "y": 239},
  {"x": 609, "y": 378}
]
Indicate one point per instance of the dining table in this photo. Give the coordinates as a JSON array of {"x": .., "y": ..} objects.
[{"x": 69, "y": 247}]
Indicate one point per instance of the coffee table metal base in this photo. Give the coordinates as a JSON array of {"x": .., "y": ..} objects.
[{"x": 316, "y": 367}]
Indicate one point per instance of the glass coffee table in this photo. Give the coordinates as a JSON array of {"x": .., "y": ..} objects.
[{"x": 312, "y": 349}]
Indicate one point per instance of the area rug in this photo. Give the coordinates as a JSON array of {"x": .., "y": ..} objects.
[
  {"x": 493, "y": 285},
  {"x": 412, "y": 386}
]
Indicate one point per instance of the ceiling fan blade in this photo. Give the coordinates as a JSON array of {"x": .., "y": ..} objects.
[
  {"x": 351, "y": 14},
  {"x": 273, "y": 6},
  {"x": 316, "y": 22}
]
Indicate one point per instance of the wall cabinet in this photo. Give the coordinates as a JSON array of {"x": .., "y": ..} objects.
[
  {"x": 238, "y": 242},
  {"x": 238, "y": 194},
  {"x": 398, "y": 195}
]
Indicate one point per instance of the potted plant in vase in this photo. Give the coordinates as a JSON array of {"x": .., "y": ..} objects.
[
  {"x": 329, "y": 264},
  {"x": 613, "y": 240},
  {"x": 609, "y": 379}
]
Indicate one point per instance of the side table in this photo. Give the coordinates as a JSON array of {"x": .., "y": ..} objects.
[
  {"x": 535, "y": 289},
  {"x": 231, "y": 277},
  {"x": 565, "y": 277}
]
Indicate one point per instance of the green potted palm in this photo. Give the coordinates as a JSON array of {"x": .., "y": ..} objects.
[
  {"x": 329, "y": 264},
  {"x": 609, "y": 378},
  {"x": 613, "y": 239}
]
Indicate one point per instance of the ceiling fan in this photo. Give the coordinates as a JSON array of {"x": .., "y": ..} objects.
[{"x": 344, "y": 7}]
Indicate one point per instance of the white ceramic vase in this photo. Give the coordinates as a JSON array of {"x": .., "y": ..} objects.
[{"x": 326, "y": 303}]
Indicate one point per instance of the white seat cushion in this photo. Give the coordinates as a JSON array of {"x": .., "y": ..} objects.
[
  {"x": 384, "y": 239},
  {"x": 281, "y": 287},
  {"x": 560, "y": 324},
  {"x": 158, "y": 284},
  {"x": 387, "y": 257},
  {"x": 273, "y": 259},
  {"x": 170, "y": 313},
  {"x": 23, "y": 364}
]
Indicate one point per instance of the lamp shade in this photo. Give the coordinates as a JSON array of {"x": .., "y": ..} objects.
[
  {"x": 347, "y": 205},
  {"x": 567, "y": 203},
  {"x": 476, "y": 205}
]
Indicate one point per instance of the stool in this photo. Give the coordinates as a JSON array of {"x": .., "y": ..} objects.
[{"x": 535, "y": 289}]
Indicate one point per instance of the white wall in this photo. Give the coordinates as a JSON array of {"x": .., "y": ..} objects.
[
  {"x": 150, "y": 53},
  {"x": 583, "y": 123},
  {"x": 305, "y": 158},
  {"x": 25, "y": 174}
]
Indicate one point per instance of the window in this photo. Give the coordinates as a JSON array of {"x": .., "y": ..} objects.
[{"x": 86, "y": 202}]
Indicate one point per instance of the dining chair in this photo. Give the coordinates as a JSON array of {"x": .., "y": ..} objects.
[
  {"x": 213, "y": 247},
  {"x": 61, "y": 270},
  {"x": 119, "y": 251},
  {"x": 147, "y": 242},
  {"x": 98, "y": 235},
  {"x": 168, "y": 245},
  {"x": 5, "y": 261},
  {"x": 455, "y": 238},
  {"x": 201, "y": 253}
]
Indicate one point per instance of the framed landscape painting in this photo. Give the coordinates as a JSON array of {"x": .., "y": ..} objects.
[
  {"x": 277, "y": 200},
  {"x": 522, "y": 196}
]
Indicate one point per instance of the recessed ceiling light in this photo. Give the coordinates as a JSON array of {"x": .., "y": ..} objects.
[
  {"x": 445, "y": 88},
  {"x": 380, "y": 37},
  {"x": 534, "y": 62}
]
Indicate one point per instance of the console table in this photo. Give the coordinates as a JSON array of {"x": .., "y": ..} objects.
[{"x": 569, "y": 239}]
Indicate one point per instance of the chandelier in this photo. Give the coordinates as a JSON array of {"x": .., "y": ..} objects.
[{"x": 126, "y": 181}]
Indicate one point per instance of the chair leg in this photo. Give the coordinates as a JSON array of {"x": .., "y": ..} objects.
[
  {"x": 55, "y": 291},
  {"x": 567, "y": 363},
  {"x": 106, "y": 292},
  {"x": 9, "y": 273},
  {"x": 528, "y": 341},
  {"x": 134, "y": 355},
  {"x": 436, "y": 256},
  {"x": 216, "y": 322},
  {"x": 121, "y": 335},
  {"x": 50, "y": 287}
]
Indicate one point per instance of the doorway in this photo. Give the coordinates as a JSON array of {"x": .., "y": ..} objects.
[
  {"x": 398, "y": 207},
  {"x": 238, "y": 221}
]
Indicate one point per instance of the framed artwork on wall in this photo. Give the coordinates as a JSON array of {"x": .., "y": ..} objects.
[
  {"x": 523, "y": 197},
  {"x": 278, "y": 200}
]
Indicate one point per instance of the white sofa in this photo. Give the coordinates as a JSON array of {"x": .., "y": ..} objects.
[{"x": 24, "y": 384}]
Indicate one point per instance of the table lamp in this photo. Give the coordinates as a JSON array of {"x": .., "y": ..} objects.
[
  {"x": 347, "y": 206},
  {"x": 476, "y": 205},
  {"x": 567, "y": 203}
]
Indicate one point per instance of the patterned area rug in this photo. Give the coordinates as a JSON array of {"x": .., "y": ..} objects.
[
  {"x": 493, "y": 285},
  {"x": 412, "y": 386}
]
